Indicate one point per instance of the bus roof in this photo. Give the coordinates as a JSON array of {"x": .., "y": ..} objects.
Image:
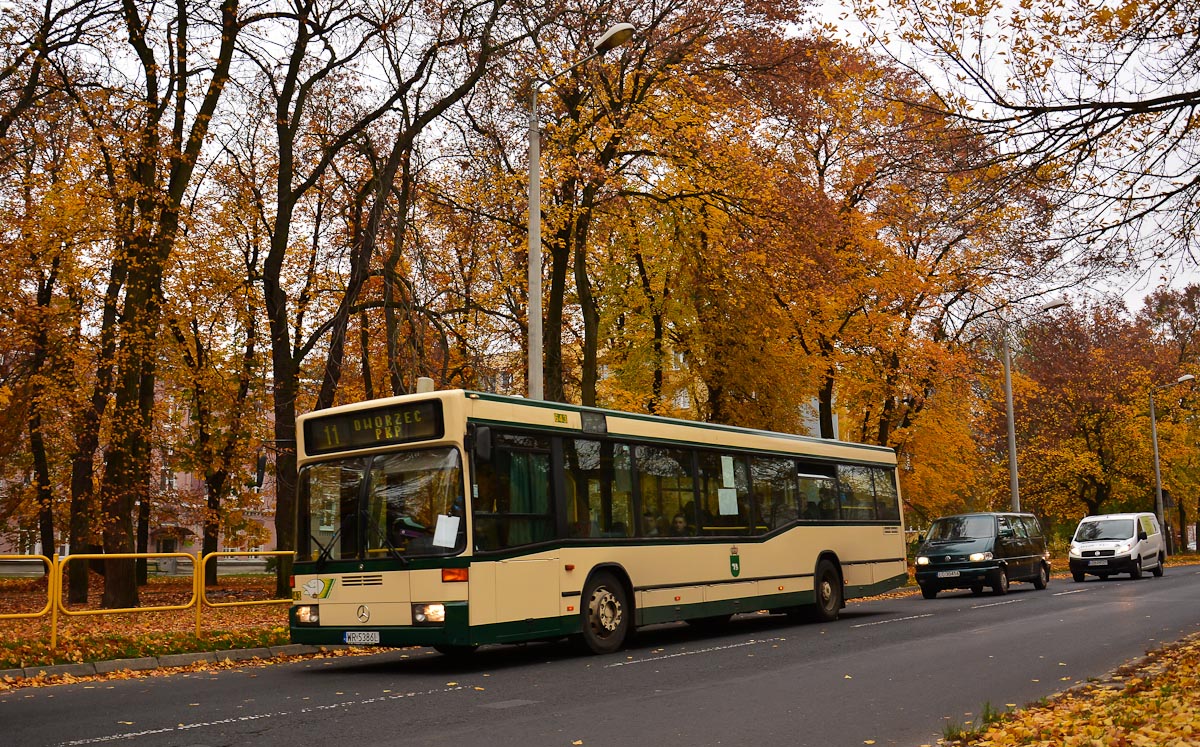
[{"x": 497, "y": 409}]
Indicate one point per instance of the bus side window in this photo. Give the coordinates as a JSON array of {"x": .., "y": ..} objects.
[
  {"x": 599, "y": 487},
  {"x": 857, "y": 492},
  {"x": 664, "y": 478},
  {"x": 513, "y": 505},
  {"x": 774, "y": 484},
  {"x": 724, "y": 493},
  {"x": 887, "y": 499}
]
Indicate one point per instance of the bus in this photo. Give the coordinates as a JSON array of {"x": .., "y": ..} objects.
[{"x": 456, "y": 518}]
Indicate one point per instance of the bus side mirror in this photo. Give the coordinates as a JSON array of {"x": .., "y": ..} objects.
[{"x": 483, "y": 442}]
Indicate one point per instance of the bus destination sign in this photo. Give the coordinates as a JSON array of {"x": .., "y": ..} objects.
[{"x": 380, "y": 426}]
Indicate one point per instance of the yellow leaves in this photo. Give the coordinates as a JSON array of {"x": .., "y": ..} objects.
[{"x": 1160, "y": 707}]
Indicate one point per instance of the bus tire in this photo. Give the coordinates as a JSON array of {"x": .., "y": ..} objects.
[
  {"x": 828, "y": 593},
  {"x": 606, "y": 613}
]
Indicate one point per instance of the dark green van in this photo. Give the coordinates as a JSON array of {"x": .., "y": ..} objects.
[{"x": 971, "y": 551}]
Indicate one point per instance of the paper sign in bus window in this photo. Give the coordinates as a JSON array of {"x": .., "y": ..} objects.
[
  {"x": 446, "y": 531},
  {"x": 726, "y": 472},
  {"x": 727, "y": 501}
]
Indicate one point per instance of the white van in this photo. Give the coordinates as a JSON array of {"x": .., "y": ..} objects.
[{"x": 1117, "y": 543}]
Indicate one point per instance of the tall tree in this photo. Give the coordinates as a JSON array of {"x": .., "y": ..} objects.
[
  {"x": 1097, "y": 94},
  {"x": 157, "y": 129}
]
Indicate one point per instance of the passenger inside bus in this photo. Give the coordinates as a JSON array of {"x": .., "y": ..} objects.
[
  {"x": 679, "y": 526},
  {"x": 650, "y": 525}
]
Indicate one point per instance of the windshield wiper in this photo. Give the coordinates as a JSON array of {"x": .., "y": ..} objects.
[
  {"x": 326, "y": 550},
  {"x": 392, "y": 552}
]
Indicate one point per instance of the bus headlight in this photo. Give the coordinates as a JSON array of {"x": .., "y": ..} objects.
[
  {"x": 922, "y": 560},
  {"x": 425, "y": 614},
  {"x": 977, "y": 557},
  {"x": 307, "y": 614}
]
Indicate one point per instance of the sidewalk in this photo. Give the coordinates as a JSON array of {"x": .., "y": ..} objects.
[{"x": 88, "y": 669}]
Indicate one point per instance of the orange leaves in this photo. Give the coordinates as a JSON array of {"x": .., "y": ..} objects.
[{"x": 1157, "y": 707}]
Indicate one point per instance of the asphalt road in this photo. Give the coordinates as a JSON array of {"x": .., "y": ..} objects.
[{"x": 892, "y": 671}]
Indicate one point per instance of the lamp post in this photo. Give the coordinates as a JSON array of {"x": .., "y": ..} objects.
[
  {"x": 1158, "y": 496},
  {"x": 615, "y": 36},
  {"x": 1013, "y": 483}
]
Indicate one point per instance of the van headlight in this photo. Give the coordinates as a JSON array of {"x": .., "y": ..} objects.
[
  {"x": 922, "y": 560},
  {"x": 1124, "y": 547},
  {"x": 428, "y": 614},
  {"x": 1074, "y": 551},
  {"x": 979, "y": 557},
  {"x": 307, "y": 614}
]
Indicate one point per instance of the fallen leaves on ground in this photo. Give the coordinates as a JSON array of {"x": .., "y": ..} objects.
[
  {"x": 25, "y": 642},
  {"x": 1153, "y": 702}
]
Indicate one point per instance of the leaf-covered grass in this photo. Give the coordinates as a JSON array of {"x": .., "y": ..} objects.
[
  {"x": 1154, "y": 702},
  {"x": 26, "y": 642}
]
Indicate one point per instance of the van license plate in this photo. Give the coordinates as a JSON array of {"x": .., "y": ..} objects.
[
  {"x": 948, "y": 574},
  {"x": 1097, "y": 562},
  {"x": 362, "y": 636}
]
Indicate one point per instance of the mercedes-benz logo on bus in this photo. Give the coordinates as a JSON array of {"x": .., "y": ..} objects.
[{"x": 364, "y": 613}]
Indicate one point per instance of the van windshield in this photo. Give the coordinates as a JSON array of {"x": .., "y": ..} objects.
[
  {"x": 962, "y": 527},
  {"x": 1109, "y": 529}
]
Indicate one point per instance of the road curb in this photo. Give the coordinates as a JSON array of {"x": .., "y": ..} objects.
[{"x": 146, "y": 663}]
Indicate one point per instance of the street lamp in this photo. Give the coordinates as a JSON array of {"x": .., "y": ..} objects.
[
  {"x": 615, "y": 36},
  {"x": 1158, "y": 497},
  {"x": 1013, "y": 483}
]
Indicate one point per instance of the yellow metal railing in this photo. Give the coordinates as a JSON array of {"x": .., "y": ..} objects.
[
  {"x": 199, "y": 580},
  {"x": 124, "y": 556},
  {"x": 55, "y": 603}
]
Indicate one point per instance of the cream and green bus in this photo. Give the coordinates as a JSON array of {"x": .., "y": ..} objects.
[{"x": 454, "y": 518}]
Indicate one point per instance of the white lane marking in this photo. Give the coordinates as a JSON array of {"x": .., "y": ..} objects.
[
  {"x": 996, "y": 604},
  {"x": 893, "y": 620},
  {"x": 1064, "y": 593},
  {"x": 256, "y": 717},
  {"x": 651, "y": 660}
]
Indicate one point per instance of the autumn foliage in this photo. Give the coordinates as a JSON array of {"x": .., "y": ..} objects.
[{"x": 218, "y": 217}]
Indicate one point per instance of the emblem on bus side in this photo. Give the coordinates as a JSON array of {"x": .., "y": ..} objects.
[
  {"x": 735, "y": 566},
  {"x": 317, "y": 588}
]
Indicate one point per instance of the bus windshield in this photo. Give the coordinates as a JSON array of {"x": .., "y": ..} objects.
[{"x": 397, "y": 505}]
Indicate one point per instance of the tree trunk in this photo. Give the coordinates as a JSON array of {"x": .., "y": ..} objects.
[{"x": 215, "y": 486}]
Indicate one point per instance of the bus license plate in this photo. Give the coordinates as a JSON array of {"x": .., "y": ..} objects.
[
  {"x": 362, "y": 636},
  {"x": 1097, "y": 562},
  {"x": 947, "y": 574}
]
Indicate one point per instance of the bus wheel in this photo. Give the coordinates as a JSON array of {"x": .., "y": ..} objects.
[
  {"x": 455, "y": 652},
  {"x": 827, "y": 590},
  {"x": 605, "y": 614}
]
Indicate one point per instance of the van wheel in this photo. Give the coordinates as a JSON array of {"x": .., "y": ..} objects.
[
  {"x": 1043, "y": 577},
  {"x": 1158, "y": 569},
  {"x": 929, "y": 592},
  {"x": 1077, "y": 576},
  {"x": 827, "y": 589},
  {"x": 605, "y": 614},
  {"x": 977, "y": 589},
  {"x": 1000, "y": 587},
  {"x": 1136, "y": 571}
]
